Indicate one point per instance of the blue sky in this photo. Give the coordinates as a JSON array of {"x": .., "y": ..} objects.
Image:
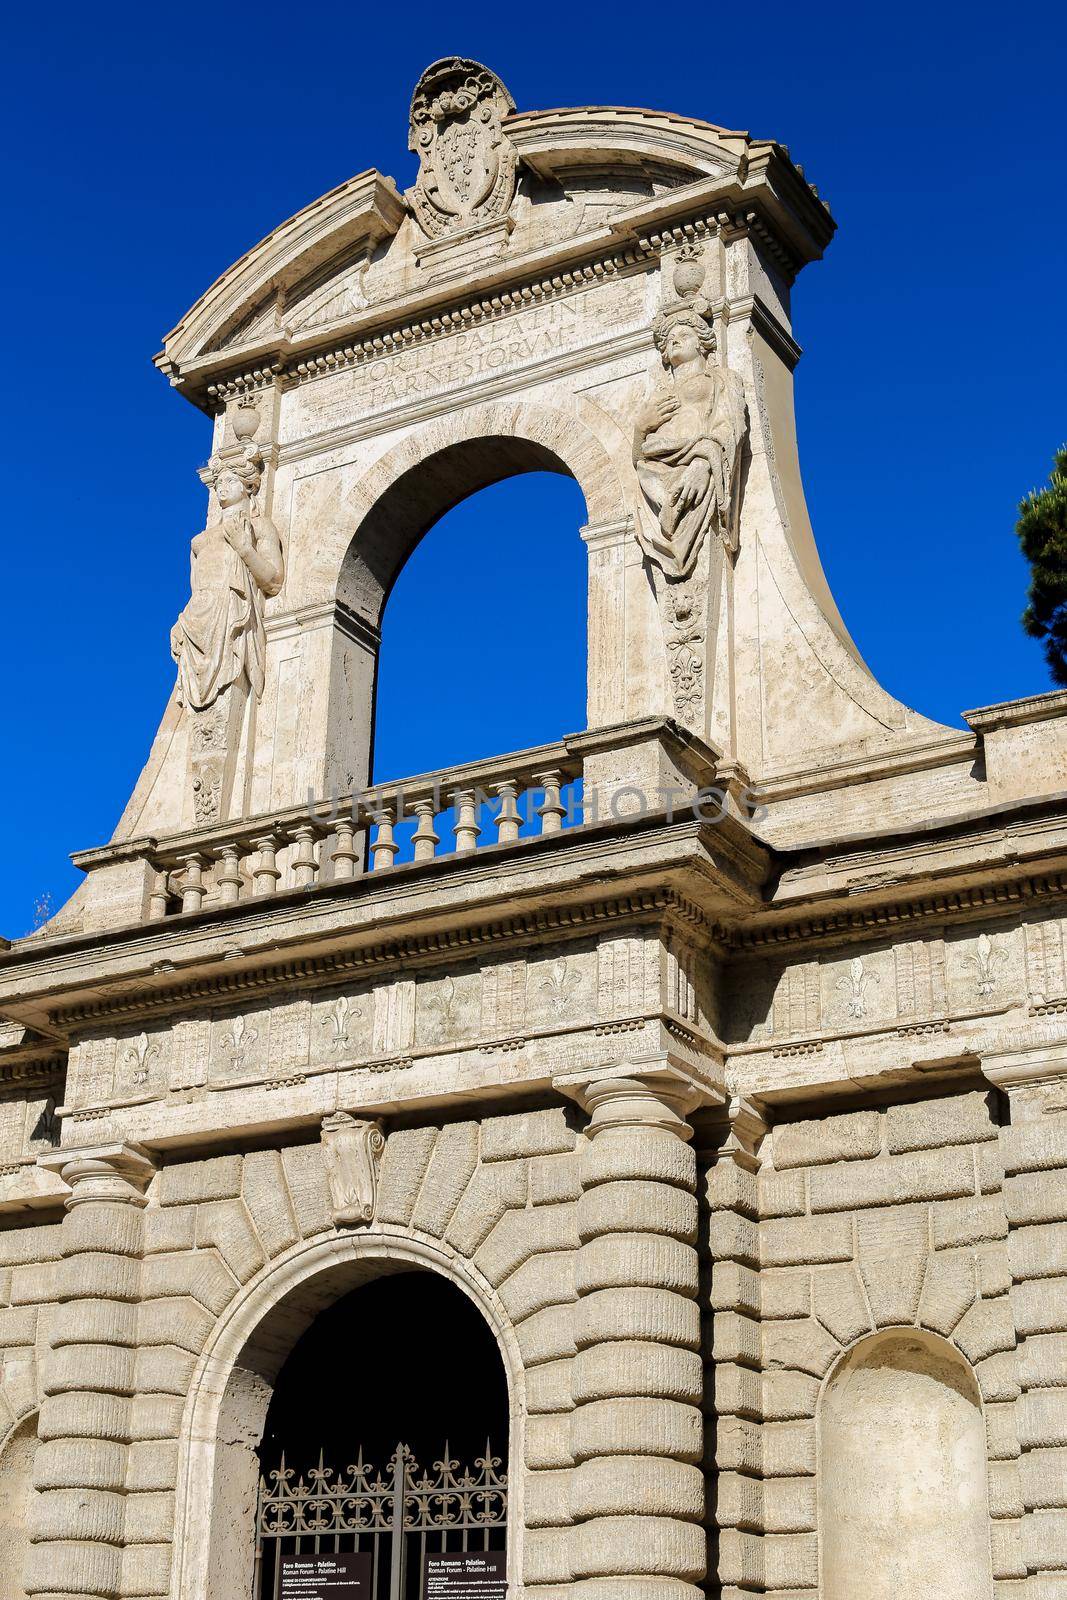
[{"x": 148, "y": 147}]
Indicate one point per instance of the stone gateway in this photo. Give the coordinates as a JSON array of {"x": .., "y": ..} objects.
[{"x": 627, "y": 1169}]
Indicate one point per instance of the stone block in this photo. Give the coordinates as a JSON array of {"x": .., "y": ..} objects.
[
  {"x": 181, "y": 1322},
  {"x": 738, "y": 1501},
  {"x": 782, "y": 1194},
  {"x": 971, "y": 1220},
  {"x": 788, "y": 1449},
  {"x": 637, "y": 1426},
  {"x": 640, "y": 1260},
  {"x": 1005, "y": 1489},
  {"x": 149, "y": 1518},
  {"x": 637, "y": 1206},
  {"x": 554, "y": 1179},
  {"x": 627, "y": 1154},
  {"x": 548, "y": 1441},
  {"x": 642, "y": 1314},
  {"x": 85, "y": 1415},
  {"x": 736, "y": 1338},
  {"x": 266, "y": 1197},
  {"x": 546, "y": 1556},
  {"x": 850, "y": 1136},
  {"x": 1002, "y": 1434},
  {"x": 646, "y": 1486},
  {"x": 839, "y": 1303},
  {"x": 803, "y": 1241},
  {"x": 60, "y": 1567},
  {"x": 164, "y": 1369},
  {"x": 789, "y": 1396},
  {"x": 785, "y": 1294},
  {"x": 791, "y": 1561},
  {"x": 95, "y": 1515},
  {"x": 799, "y": 1347},
  {"x": 1040, "y": 1306},
  {"x": 998, "y": 1377},
  {"x": 734, "y": 1288},
  {"x": 114, "y": 1230},
  {"x": 1035, "y": 1197},
  {"x": 95, "y": 1275},
  {"x": 1043, "y": 1478},
  {"x": 542, "y": 1281},
  {"x": 518, "y": 1235},
  {"x": 527, "y": 1133},
  {"x": 199, "y": 1275},
  {"x": 734, "y": 1238},
  {"x": 548, "y": 1387},
  {"x": 1041, "y": 1417},
  {"x": 404, "y": 1162},
  {"x": 729, "y": 1187},
  {"x": 632, "y": 1367},
  {"x": 547, "y": 1336},
  {"x": 228, "y": 1228},
  {"x": 547, "y": 1498},
  {"x": 789, "y": 1505},
  {"x": 1043, "y": 1536},
  {"x": 20, "y": 1246},
  {"x": 447, "y": 1174},
  {"x": 994, "y": 1270},
  {"x": 1038, "y": 1252},
  {"x": 95, "y": 1322},
  {"x": 108, "y": 1368},
  {"x": 1042, "y": 1361},
  {"x": 656, "y": 1547},
  {"x": 949, "y": 1289},
  {"x": 309, "y": 1195},
  {"x": 738, "y": 1391},
  {"x": 72, "y": 1463},
  {"x": 893, "y": 1180},
  {"x": 741, "y": 1564},
  {"x": 31, "y": 1284},
  {"x": 156, "y": 1416},
  {"x": 18, "y": 1326},
  {"x": 152, "y": 1466},
  {"x": 169, "y": 1228},
  {"x": 950, "y": 1120},
  {"x": 189, "y": 1182},
  {"x": 736, "y": 1446},
  {"x": 894, "y": 1285},
  {"x": 1005, "y": 1547},
  {"x": 146, "y": 1569},
  {"x": 1035, "y": 1146},
  {"x": 492, "y": 1191}
]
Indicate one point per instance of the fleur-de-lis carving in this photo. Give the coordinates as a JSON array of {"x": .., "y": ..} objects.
[
  {"x": 560, "y": 986},
  {"x": 854, "y": 987},
  {"x": 140, "y": 1056},
  {"x": 987, "y": 963},
  {"x": 448, "y": 1003},
  {"x": 337, "y": 1020},
  {"x": 240, "y": 1039}
]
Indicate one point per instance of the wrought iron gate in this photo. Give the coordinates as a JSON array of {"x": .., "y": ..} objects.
[{"x": 397, "y": 1517}]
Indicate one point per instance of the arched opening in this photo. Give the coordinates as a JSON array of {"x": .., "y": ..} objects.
[
  {"x": 484, "y": 633},
  {"x": 393, "y": 1405},
  {"x": 903, "y": 1497},
  {"x": 386, "y": 1320},
  {"x": 16, "y": 1504}
]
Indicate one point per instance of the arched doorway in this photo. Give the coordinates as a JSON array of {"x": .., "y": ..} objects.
[
  {"x": 385, "y": 1448},
  {"x": 903, "y": 1496},
  {"x": 241, "y": 1366}
]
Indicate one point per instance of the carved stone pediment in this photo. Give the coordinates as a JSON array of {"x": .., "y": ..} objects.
[{"x": 467, "y": 163}]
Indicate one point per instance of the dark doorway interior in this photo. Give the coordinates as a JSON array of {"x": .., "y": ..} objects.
[{"x": 405, "y": 1359}]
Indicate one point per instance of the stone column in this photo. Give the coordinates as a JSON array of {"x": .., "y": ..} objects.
[
  {"x": 1034, "y": 1147},
  {"x": 84, "y": 1424},
  {"x": 637, "y": 1429}
]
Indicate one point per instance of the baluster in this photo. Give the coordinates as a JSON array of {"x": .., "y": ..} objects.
[
  {"x": 157, "y": 900},
  {"x": 228, "y": 874},
  {"x": 265, "y": 872},
  {"x": 345, "y": 855},
  {"x": 193, "y": 889},
  {"x": 553, "y": 811},
  {"x": 424, "y": 838},
  {"x": 507, "y": 819},
  {"x": 385, "y": 846},
  {"x": 466, "y": 828},
  {"x": 305, "y": 866}
]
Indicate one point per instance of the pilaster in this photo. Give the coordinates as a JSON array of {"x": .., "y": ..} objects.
[
  {"x": 1034, "y": 1145},
  {"x": 85, "y": 1424},
  {"x": 637, "y": 1496}
]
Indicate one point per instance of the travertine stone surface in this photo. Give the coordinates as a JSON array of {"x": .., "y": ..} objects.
[{"x": 731, "y": 1094}]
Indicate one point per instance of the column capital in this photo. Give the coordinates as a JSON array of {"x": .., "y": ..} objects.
[
  {"x": 1032, "y": 1066},
  {"x": 653, "y": 1092},
  {"x": 735, "y": 1132},
  {"x": 111, "y": 1172}
]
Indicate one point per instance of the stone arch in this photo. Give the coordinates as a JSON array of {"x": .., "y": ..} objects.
[
  {"x": 17, "y": 1493},
  {"x": 233, "y": 1381},
  {"x": 397, "y": 501},
  {"x": 902, "y": 1474}
]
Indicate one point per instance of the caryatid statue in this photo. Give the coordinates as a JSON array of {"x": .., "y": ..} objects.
[
  {"x": 236, "y": 563},
  {"x": 687, "y": 445},
  {"x": 220, "y": 641}
]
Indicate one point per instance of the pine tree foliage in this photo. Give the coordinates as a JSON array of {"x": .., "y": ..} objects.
[{"x": 1042, "y": 531}]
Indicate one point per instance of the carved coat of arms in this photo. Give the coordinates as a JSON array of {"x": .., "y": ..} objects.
[{"x": 467, "y": 163}]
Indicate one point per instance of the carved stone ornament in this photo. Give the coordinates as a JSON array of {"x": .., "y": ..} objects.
[
  {"x": 467, "y": 163},
  {"x": 352, "y": 1153},
  {"x": 688, "y": 435}
]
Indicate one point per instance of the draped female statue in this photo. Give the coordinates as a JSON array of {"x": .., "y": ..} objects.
[
  {"x": 687, "y": 446},
  {"x": 236, "y": 563}
]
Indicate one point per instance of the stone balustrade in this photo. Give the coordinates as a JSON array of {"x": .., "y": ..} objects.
[{"x": 455, "y": 811}]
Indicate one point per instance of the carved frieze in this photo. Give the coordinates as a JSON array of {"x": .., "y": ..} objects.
[{"x": 467, "y": 163}]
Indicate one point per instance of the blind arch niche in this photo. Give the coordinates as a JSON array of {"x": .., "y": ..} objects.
[{"x": 903, "y": 1494}]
